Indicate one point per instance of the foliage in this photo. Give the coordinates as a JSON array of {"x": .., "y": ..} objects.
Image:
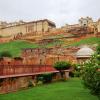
[
  {"x": 98, "y": 48},
  {"x": 91, "y": 75},
  {"x": 76, "y": 72},
  {"x": 5, "y": 54},
  {"x": 45, "y": 78},
  {"x": 62, "y": 65}
]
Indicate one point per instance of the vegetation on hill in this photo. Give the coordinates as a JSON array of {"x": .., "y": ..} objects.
[
  {"x": 15, "y": 47},
  {"x": 88, "y": 41}
]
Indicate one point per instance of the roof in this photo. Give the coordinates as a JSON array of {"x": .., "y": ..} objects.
[{"x": 84, "y": 52}]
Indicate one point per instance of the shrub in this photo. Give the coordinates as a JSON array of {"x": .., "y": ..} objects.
[
  {"x": 91, "y": 76},
  {"x": 76, "y": 72},
  {"x": 5, "y": 54},
  {"x": 98, "y": 48},
  {"x": 45, "y": 78},
  {"x": 62, "y": 65},
  {"x": 71, "y": 74}
]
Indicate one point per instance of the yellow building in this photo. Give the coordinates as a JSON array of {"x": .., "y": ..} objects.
[
  {"x": 98, "y": 25},
  {"x": 34, "y": 27}
]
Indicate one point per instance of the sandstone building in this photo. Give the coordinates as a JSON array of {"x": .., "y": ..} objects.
[
  {"x": 88, "y": 22},
  {"x": 34, "y": 27}
]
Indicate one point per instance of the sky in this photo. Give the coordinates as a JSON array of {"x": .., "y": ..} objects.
[{"x": 60, "y": 11}]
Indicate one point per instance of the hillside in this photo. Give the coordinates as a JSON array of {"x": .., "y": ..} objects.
[
  {"x": 15, "y": 47},
  {"x": 88, "y": 41}
]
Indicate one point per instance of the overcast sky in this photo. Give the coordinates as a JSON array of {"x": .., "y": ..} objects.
[{"x": 59, "y": 11}]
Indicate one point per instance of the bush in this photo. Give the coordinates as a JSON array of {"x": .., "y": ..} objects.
[
  {"x": 62, "y": 65},
  {"x": 71, "y": 74},
  {"x": 91, "y": 76},
  {"x": 76, "y": 72},
  {"x": 98, "y": 48},
  {"x": 45, "y": 78},
  {"x": 5, "y": 54}
]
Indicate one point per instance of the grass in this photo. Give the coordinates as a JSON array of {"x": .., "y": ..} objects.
[
  {"x": 88, "y": 41},
  {"x": 15, "y": 47},
  {"x": 70, "y": 90}
]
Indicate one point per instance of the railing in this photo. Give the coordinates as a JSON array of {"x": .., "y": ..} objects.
[{"x": 6, "y": 70}]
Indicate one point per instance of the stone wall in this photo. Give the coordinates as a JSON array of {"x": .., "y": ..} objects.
[
  {"x": 17, "y": 83},
  {"x": 14, "y": 84}
]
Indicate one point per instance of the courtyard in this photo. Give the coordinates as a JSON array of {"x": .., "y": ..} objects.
[{"x": 73, "y": 89}]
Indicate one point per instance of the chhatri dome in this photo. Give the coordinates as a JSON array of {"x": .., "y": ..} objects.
[{"x": 84, "y": 52}]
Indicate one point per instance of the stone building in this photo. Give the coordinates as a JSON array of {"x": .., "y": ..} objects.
[
  {"x": 34, "y": 27},
  {"x": 86, "y": 22}
]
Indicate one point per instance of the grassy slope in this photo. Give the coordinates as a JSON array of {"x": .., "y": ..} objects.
[
  {"x": 70, "y": 90},
  {"x": 90, "y": 41},
  {"x": 15, "y": 47}
]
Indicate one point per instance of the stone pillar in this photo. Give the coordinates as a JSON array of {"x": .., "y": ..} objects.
[{"x": 66, "y": 75}]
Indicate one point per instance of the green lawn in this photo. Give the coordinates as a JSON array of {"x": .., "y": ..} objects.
[{"x": 70, "y": 90}]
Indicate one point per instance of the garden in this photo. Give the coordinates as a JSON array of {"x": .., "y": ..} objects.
[
  {"x": 84, "y": 83},
  {"x": 67, "y": 90}
]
